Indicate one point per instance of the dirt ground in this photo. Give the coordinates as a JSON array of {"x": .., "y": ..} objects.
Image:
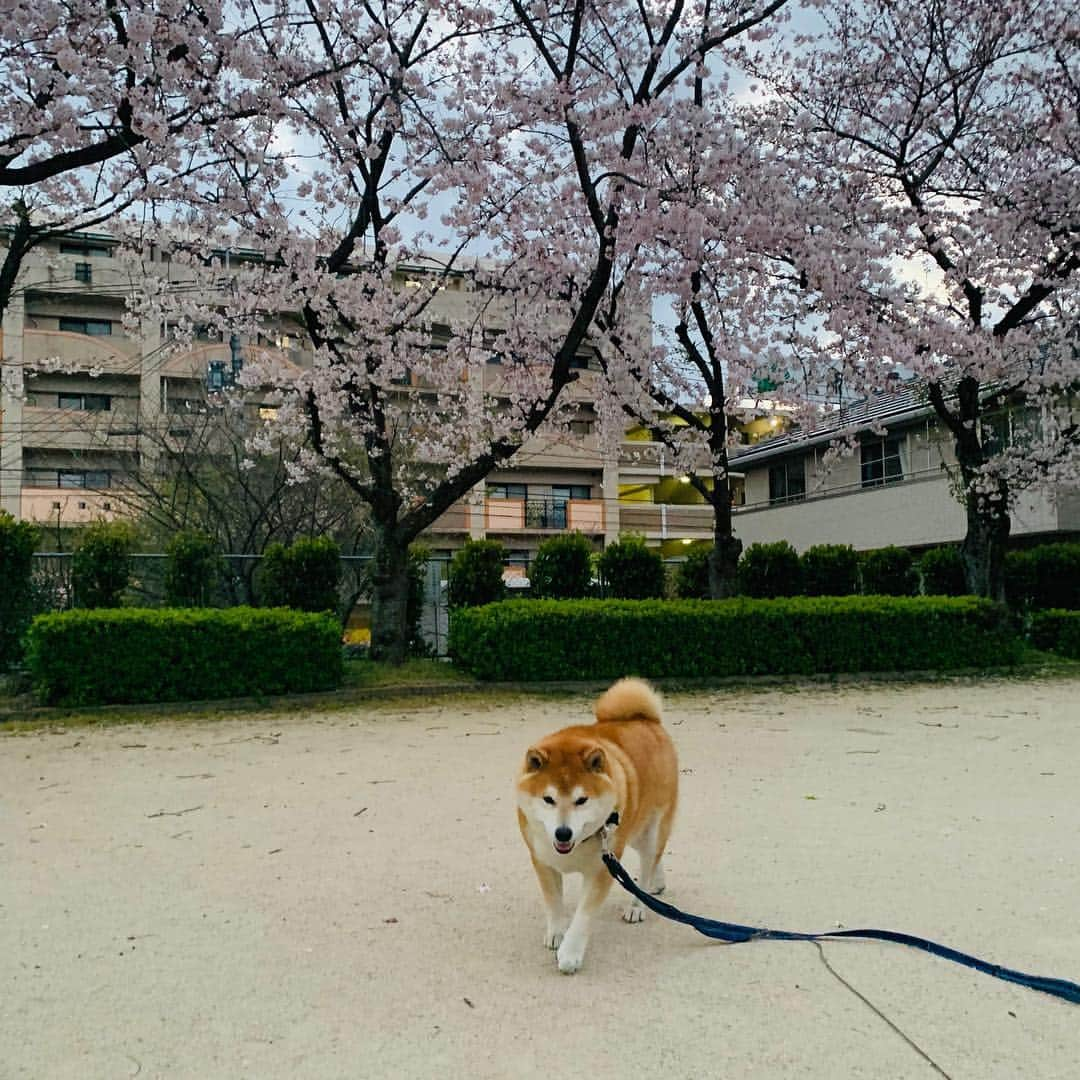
[{"x": 346, "y": 895}]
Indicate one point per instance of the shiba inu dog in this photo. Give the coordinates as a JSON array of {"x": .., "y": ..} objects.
[{"x": 571, "y": 784}]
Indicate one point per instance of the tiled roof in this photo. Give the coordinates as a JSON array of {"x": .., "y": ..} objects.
[{"x": 908, "y": 400}]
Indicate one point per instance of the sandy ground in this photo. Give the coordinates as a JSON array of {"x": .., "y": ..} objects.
[{"x": 346, "y": 894}]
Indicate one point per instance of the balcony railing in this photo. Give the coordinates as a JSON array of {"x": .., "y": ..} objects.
[
  {"x": 544, "y": 514},
  {"x": 667, "y": 520}
]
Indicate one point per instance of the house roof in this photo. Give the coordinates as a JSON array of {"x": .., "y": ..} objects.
[{"x": 907, "y": 401}]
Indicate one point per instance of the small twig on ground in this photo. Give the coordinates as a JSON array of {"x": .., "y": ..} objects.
[{"x": 174, "y": 813}]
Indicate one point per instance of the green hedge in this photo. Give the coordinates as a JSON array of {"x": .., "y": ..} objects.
[
  {"x": 17, "y": 542},
  {"x": 173, "y": 654},
  {"x": 1045, "y": 576},
  {"x": 604, "y": 639},
  {"x": 1058, "y": 631}
]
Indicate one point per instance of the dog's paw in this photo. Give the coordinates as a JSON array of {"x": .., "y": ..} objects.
[
  {"x": 570, "y": 958},
  {"x": 633, "y": 913},
  {"x": 553, "y": 938}
]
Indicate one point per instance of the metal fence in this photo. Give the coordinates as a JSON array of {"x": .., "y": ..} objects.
[{"x": 146, "y": 588}]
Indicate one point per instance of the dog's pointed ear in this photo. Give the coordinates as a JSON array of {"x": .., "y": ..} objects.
[
  {"x": 595, "y": 761},
  {"x": 535, "y": 759}
]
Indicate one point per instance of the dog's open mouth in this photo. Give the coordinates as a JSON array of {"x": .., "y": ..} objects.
[{"x": 564, "y": 849}]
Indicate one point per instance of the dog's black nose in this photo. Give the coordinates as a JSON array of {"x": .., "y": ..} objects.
[{"x": 563, "y": 834}]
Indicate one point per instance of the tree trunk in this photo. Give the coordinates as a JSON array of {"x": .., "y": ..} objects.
[
  {"x": 988, "y": 523},
  {"x": 724, "y": 557},
  {"x": 986, "y": 542},
  {"x": 390, "y": 598}
]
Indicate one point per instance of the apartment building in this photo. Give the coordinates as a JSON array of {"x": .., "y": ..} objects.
[
  {"x": 891, "y": 488},
  {"x": 80, "y": 386}
]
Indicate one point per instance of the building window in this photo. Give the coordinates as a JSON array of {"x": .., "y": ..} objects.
[
  {"x": 97, "y": 251},
  {"x": 93, "y": 327},
  {"x": 881, "y": 460},
  {"x": 570, "y": 491},
  {"x": 507, "y": 491},
  {"x": 68, "y": 478},
  {"x": 84, "y": 272},
  {"x": 82, "y": 478},
  {"x": 84, "y": 402},
  {"x": 787, "y": 481}
]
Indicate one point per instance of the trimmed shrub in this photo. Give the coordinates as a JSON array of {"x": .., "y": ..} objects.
[
  {"x": 1047, "y": 576},
  {"x": 193, "y": 570},
  {"x": 888, "y": 571},
  {"x": 1058, "y": 631},
  {"x": 692, "y": 576},
  {"x": 830, "y": 570},
  {"x": 632, "y": 571},
  {"x": 942, "y": 572},
  {"x": 562, "y": 569},
  {"x": 18, "y": 540},
  {"x": 305, "y": 576},
  {"x": 101, "y": 565},
  {"x": 476, "y": 574},
  {"x": 768, "y": 570},
  {"x": 605, "y": 639},
  {"x": 176, "y": 654}
]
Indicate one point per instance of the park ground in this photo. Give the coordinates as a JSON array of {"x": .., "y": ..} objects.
[{"x": 344, "y": 893}]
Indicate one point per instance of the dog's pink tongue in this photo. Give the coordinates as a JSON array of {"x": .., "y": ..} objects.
[{"x": 563, "y": 849}]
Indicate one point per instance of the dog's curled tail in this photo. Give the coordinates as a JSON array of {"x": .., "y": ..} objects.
[{"x": 628, "y": 699}]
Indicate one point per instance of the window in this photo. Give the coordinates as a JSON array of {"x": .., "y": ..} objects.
[
  {"x": 570, "y": 491},
  {"x": 787, "y": 481},
  {"x": 83, "y": 478},
  {"x": 84, "y": 402},
  {"x": 881, "y": 460},
  {"x": 68, "y": 478},
  {"x": 84, "y": 272},
  {"x": 579, "y": 362},
  {"x": 93, "y": 327},
  {"x": 98, "y": 251},
  {"x": 507, "y": 491}
]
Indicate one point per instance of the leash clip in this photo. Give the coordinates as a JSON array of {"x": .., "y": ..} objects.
[{"x": 607, "y": 830}]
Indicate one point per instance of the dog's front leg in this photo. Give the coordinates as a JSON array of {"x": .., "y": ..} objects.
[
  {"x": 551, "y": 885},
  {"x": 594, "y": 892}
]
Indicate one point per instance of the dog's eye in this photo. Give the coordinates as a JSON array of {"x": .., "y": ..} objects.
[
  {"x": 549, "y": 800},
  {"x": 582, "y": 801}
]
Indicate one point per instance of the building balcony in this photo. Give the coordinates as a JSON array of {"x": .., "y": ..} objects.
[
  {"x": 76, "y": 429},
  {"x": 544, "y": 515},
  {"x": 455, "y": 520},
  {"x": 68, "y": 352},
  {"x": 666, "y": 521}
]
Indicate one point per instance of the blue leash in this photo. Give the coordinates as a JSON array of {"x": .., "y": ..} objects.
[{"x": 733, "y": 934}]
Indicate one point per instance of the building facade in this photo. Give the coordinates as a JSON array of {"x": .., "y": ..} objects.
[
  {"x": 880, "y": 489},
  {"x": 80, "y": 386}
]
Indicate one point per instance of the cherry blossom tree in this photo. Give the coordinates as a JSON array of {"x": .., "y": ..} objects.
[
  {"x": 736, "y": 316},
  {"x": 110, "y": 103},
  {"x": 934, "y": 151},
  {"x": 448, "y": 213}
]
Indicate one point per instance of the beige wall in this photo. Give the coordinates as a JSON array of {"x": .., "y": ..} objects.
[
  {"x": 66, "y": 506},
  {"x": 910, "y": 513}
]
